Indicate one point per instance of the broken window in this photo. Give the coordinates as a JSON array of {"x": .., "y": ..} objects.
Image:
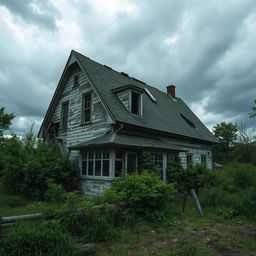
[
  {"x": 189, "y": 160},
  {"x": 203, "y": 159}
]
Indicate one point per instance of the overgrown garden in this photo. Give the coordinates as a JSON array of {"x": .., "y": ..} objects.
[{"x": 139, "y": 215}]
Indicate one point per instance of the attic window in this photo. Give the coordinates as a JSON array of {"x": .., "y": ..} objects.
[
  {"x": 150, "y": 95},
  {"x": 190, "y": 123},
  {"x": 76, "y": 80},
  {"x": 136, "y": 103}
]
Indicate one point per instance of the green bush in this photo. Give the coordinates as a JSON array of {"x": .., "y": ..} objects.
[
  {"x": 237, "y": 176},
  {"x": 195, "y": 177},
  {"x": 143, "y": 192},
  {"x": 243, "y": 202},
  {"x": 28, "y": 168},
  {"x": 55, "y": 192},
  {"x": 37, "y": 239},
  {"x": 213, "y": 197},
  {"x": 92, "y": 224}
]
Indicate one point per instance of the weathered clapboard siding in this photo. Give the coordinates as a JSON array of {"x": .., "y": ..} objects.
[
  {"x": 77, "y": 133},
  {"x": 124, "y": 97}
]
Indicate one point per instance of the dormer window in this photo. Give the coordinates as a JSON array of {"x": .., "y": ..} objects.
[
  {"x": 136, "y": 103},
  {"x": 131, "y": 98}
]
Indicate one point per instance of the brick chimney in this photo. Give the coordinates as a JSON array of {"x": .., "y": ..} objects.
[{"x": 171, "y": 90}]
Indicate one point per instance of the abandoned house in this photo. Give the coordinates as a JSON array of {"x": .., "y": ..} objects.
[{"x": 104, "y": 118}]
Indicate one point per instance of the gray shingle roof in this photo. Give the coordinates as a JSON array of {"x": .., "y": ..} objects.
[
  {"x": 126, "y": 140},
  {"x": 165, "y": 115}
]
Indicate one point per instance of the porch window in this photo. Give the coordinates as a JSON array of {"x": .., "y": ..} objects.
[
  {"x": 158, "y": 161},
  {"x": 119, "y": 163},
  {"x": 95, "y": 164},
  {"x": 131, "y": 162},
  {"x": 86, "y": 108},
  {"x": 170, "y": 159},
  {"x": 64, "y": 115}
]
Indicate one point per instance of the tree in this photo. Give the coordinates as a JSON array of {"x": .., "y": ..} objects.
[
  {"x": 226, "y": 133},
  {"x": 253, "y": 113},
  {"x": 5, "y": 121}
]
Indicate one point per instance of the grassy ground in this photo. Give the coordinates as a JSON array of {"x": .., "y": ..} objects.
[
  {"x": 188, "y": 235},
  {"x": 11, "y": 205}
]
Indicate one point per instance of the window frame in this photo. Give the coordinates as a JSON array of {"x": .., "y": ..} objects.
[
  {"x": 203, "y": 159},
  {"x": 83, "y": 109},
  {"x": 64, "y": 125},
  {"x": 190, "y": 162},
  {"x": 140, "y": 102},
  {"x": 88, "y": 156}
]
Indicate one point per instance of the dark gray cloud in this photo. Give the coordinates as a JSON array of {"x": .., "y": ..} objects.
[
  {"x": 205, "y": 48},
  {"x": 39, "y": 13}
]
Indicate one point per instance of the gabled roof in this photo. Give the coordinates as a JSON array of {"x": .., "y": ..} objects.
[
  {"x": 164, "y": 116},
  {"x": 167, "y": 115}
]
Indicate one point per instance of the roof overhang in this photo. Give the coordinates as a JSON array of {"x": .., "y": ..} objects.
[{"x": 114, "y": 140}]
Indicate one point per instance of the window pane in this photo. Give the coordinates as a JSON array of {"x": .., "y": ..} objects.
[
  {"x": 65, "y": 115},
  {"x": 118, "y": 168},
  {"x": 90, "y": 167},
  {"x": 131, "y": 163},
  {"x": 105, "y": 167},
  {"x": 87, "y": 115},
  {"x": 119, "y": 155},
  {"x": 98, "y": 168},
  {"x": 84, "y": 167},
  {"x": 135, "y": 103}
]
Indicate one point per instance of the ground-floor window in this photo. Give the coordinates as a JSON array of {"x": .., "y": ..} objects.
[
  {"x": 189, "y": 160},
  {"x": 119, "y": 163},
  {"x": 203, "y": 159},
  {"x": 158, "y": 162},
  {"x": 95, "y": 163}
]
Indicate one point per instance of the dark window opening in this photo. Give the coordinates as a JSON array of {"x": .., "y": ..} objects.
[
  {"x": 136, "y": 103},
  {"x": 64, "y": 116},
  {"x": 76, "y": 80},
  {"x": 190, "y": 123},
  {"x": 203, "y": 159},
  {"x": 131, "y": 162},
  {"x": 189, "y": 160},
  {"x": 86, "y": 108},
  {"x": 119, "y": 163}
]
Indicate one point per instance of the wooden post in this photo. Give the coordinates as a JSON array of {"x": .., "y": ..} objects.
[{"x": 198, "y": 206}]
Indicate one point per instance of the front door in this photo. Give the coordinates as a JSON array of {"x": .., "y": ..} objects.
[{"x": 131, "y": 162}]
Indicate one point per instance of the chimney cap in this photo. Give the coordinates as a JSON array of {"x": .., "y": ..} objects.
[{"x": 171, "y": 90}]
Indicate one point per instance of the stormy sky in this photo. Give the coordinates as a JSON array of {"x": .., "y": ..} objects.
[{"x": 206, "y": 48}]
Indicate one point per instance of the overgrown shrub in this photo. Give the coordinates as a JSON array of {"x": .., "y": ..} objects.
[
  {"x": 237, "y": 176},
  {"x": 92, "y": 224},
  {"x": 37, "y": 238},
  {"x": 143, "y": 192},
  {"x": 195, "y": 177},
  {"x": 28, "y": 168}
]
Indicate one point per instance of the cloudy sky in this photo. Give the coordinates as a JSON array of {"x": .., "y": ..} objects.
[{"x": 206, "y": 48}]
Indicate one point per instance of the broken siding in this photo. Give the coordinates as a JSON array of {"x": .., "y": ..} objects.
[
  {"x": 124, "y": 97},
  {"x": 77, "y": 133}
]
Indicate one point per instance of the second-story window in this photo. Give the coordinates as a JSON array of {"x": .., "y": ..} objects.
[
  {"x": 136, "y": 103},
  {"x": 64, "y": 115},
  {"x": 86, "y": 108}
]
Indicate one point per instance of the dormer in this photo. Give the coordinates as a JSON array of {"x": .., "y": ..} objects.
[{"x": 131, "y": 98}]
